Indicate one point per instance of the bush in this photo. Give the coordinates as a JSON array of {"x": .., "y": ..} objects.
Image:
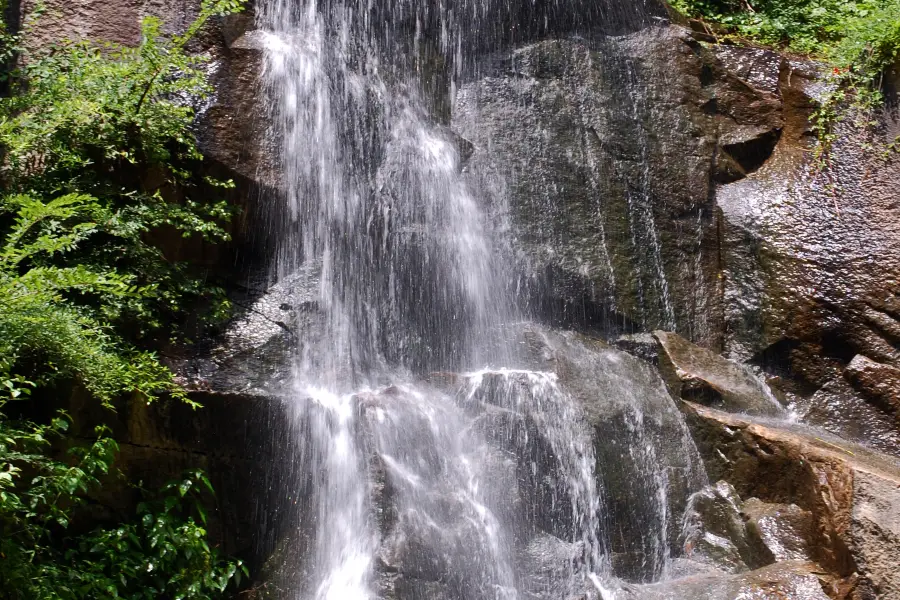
[
  {"x": 113, "y": 126},
  {"x": 859, "y": 38},
  {"x": 838, "y": 30},
  {"x": 98, "y": 155}
]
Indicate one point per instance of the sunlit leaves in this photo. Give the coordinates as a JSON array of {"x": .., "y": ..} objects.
[
  {"x": 860, "y": 38},
  {"x": 98, "y": 157}
]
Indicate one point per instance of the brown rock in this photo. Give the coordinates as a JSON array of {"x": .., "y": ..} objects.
[
  {"x": 695, "y": 373},
  {"x": 852, "y": 493},
  {"x": 810, "y": 254},
  {"x": 100, "y": 20},
  {"x": 879, "y": 383},
  {"x": 785, "y": 529}
]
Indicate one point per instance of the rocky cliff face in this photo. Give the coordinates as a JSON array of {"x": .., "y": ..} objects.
[{"x": 653, "y": 180}]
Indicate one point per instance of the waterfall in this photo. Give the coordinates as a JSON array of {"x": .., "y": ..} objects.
[{"x": 412, "y": 488}]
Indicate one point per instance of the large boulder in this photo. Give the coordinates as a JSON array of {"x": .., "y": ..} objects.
[
  {"x": 604, "y": 157},
  {"x": 697, "y": 374},
  {"x": 851, "y": 493}
]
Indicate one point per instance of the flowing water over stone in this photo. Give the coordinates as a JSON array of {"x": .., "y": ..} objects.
[{"x": 479, "y": 485}]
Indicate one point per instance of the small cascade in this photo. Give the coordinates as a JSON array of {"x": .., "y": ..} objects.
[
  {"x": 449, "y": 500},
  {"x": 571, "y": 504},
  {"x": 344, "y": 541}
]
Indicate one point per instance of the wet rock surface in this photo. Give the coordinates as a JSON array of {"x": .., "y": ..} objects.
[
  {"x": 611, "y": 151},
  {"x": 878, "y": 383},
  {"x": 646, "y": 461},
  {"x": 254, "y": 352},
  {"x": 656, "y": 181},
  {"x": 838, "y": 408},
  {"x": 810, "y": 263},
  {"x": 697, "y": 374},
  {"x": 850, "y": 492},
  {"x": 715, "y": 532},
  {"x": 569, "y": 127},
  {"x": 785, "y": 529},
  {"x": 796, "y": 580}
]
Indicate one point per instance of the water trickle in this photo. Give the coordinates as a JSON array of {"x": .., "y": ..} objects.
[{"x": 642, "y": 222}]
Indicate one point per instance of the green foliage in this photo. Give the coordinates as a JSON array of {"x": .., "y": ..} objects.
[
  {"x": 814, "y": 27},
  {"x": 163, "y": 553},
  {"x": 44, "y": 332},
  {"x": 115, "y": 124},
  {"x": 859, "y": 38},
  {"x": 99, "y": 163}
]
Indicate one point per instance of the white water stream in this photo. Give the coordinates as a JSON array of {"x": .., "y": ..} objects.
[{"x": 414, "y": 497}]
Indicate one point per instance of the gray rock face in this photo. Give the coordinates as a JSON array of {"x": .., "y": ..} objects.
[
  {"x": 646, "y": 461},
  {"x": 569, "y": 128},
  {"x": 609, "y": 154},
  {"x": 715, "y": 532},
  {"x": 697, "y": 374},
  {"x": 654, "y": 181}
]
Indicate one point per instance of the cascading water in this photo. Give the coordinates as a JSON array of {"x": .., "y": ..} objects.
[
  {"x": 415, "y": 486},
  {"x": 536, "y": 397}
]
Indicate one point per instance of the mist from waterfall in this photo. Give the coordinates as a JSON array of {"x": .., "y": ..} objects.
[{"x": 412, "y": 286}]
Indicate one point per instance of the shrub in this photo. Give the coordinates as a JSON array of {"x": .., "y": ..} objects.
[{"x": 98, "y": 155}]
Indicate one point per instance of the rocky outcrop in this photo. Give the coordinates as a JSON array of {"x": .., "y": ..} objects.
[
  {"x": 656, "y": 180},
  {"x": 796, "y": 580},
  {"x": 695, "y": 373},
  {"x": 810, "y": 260},
  {"x": 850, "y": 493}
]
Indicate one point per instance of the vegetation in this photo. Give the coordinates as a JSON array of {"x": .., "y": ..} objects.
[
  {"x": 99, "y": 164},
  {"x": 858, "y": 38}
]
